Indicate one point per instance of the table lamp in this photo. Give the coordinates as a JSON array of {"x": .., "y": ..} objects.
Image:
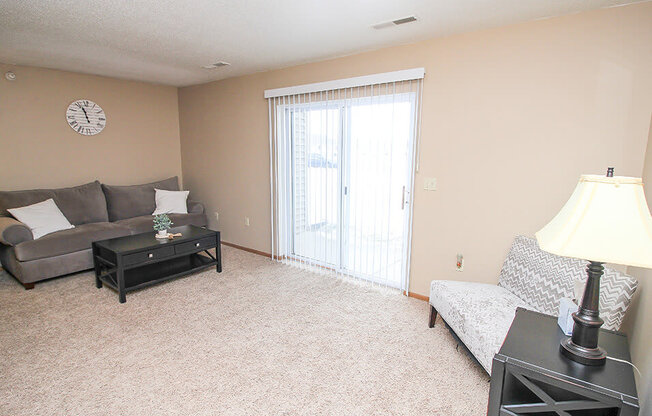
[{"x": 606, "y": 220}]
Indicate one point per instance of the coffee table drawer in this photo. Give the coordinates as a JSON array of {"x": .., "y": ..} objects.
[
  {"x": 149, "y": 255},
  {"x": 197, "y": 245}
]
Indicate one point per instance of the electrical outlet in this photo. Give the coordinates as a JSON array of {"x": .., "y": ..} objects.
[
  {"x": 217, "y": 216},
  {"x": 247, "y": 221},
  {"x": 460, "y": 263},
  {"x": 430, "y": 184}
]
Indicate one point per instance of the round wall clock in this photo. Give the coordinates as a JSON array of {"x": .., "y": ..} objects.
[{"x": 86, "y": 117}]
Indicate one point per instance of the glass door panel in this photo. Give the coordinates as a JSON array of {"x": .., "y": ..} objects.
[
  {"x": 379, "y": 148},
  {"x": 316, "y": 177}
]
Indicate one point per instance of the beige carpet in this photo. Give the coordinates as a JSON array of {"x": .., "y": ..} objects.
[{"x": 258, "y": 339}]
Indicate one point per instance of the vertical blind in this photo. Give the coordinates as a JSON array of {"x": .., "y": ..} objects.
[{"x": 343, "y": 155}]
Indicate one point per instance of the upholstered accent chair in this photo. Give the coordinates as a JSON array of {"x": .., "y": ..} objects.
[{"x": 481, "y": 314}]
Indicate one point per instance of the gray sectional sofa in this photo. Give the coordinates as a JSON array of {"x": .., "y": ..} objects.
[{"x": 96, "y": 210}]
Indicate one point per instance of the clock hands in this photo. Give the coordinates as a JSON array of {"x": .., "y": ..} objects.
[{"x": 86, "y": 115}]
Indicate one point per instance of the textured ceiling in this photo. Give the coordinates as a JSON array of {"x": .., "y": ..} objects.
[{"x": 167, "y": 41}]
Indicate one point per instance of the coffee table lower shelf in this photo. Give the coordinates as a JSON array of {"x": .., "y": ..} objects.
[{"x": 151, "y": 274}]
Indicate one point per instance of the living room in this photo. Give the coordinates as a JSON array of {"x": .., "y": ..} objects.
[{"x": 509, "y": 103}]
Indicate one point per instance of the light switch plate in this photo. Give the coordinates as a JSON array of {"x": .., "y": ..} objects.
[{"x": 430, "y": 184}]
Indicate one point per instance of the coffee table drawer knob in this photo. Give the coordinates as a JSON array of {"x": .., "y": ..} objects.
[
  {"x": 150, "y": 255},
  {"x": 196, "y": 244}
]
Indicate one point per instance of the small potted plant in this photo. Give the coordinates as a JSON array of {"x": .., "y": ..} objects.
[{"x": 162, "y": 224}]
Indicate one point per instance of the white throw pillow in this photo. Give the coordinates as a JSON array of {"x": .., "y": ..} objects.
[
  {"x": 171, "y": 202},
  {"x": 42, "y": 218}
]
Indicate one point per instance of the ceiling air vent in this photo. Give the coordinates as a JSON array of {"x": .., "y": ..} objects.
[
  {"x": 216, "y": 65},
  {"x": 401, "y": 21}
]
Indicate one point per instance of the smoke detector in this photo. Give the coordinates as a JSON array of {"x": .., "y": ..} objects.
[
  {"x": 216, "y": 65},
  {"x": 10, "y": 76},
  {"x": 396, "y": 22}
]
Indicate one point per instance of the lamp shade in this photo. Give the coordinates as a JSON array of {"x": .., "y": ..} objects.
[{"x": 606, "y": 219}]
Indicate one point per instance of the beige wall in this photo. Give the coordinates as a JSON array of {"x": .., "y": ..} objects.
[
  {"x": 637, "y": 324},
  {"x": 511, "y": 118},
  {"x": 38, "y": 149}
]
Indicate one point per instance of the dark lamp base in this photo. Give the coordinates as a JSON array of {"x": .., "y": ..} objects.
[
  {"x": 587, "y": 356},
  {"x": 582, "y": 346}
]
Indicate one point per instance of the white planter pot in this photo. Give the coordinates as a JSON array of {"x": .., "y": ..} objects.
[{"x": 162, "y": 234}]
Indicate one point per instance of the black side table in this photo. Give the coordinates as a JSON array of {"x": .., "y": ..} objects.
[{"x": 531, "y": 377}]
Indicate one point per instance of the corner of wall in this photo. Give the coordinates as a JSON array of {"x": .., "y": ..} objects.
[
  {"x": 636, "y": 325},
  {"x": 181, "y": 182}
]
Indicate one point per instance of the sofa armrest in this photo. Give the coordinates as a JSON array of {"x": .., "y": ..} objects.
[
  {"x": 195, "y": 207},
  {"x": 13, "y": 231}
]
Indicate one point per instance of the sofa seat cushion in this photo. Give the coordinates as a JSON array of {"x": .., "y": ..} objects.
[
  {"x": 144, "y": 224},
  {"x": 479, "y": 313},
  {"x": 68, "y": 241}
]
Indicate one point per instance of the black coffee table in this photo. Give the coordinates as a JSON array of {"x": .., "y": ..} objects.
[{"x": 137, "y": 261}]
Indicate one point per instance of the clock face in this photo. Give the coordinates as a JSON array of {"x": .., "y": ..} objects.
[{"x": 86, "y": 117}]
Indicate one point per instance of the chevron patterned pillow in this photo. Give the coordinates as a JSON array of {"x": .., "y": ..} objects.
[
  {"x": 542, "y": 279},
  {"x": 616, "y": 294}
]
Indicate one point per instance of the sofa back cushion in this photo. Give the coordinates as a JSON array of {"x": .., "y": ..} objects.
[
  {"x": 80, "y": 204},
  {"x": 135, "y": 200},
  {"x": 542, "y": 279}
]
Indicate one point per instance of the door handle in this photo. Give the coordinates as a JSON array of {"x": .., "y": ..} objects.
[{"x": 403, "y": 198}]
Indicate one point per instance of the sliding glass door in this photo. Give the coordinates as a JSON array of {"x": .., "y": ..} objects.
[{"x": 350, "y": 176}]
